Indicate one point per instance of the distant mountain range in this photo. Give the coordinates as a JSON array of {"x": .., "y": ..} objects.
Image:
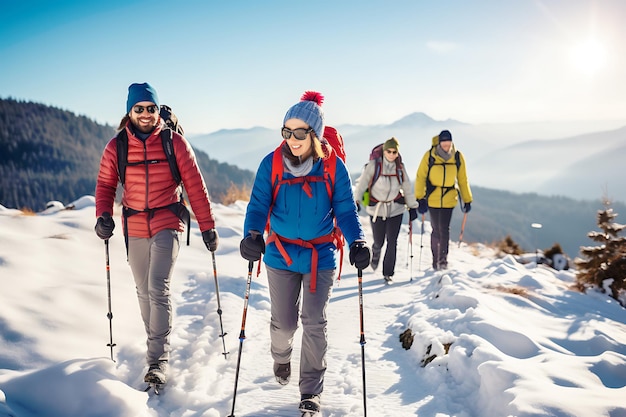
[
  {"x": 533, "y": 157},
  {"x": 51, "y": 154},
  {"x": 584, "y": 167}
]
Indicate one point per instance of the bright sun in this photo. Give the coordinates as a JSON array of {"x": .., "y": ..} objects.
[{"x": 589, "y": 57}]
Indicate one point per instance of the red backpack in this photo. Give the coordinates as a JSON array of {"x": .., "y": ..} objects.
[
  {"x": 332, "y": 147},
  {"x": 334, "y": 139}
]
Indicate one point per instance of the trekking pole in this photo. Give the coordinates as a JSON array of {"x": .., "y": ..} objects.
[
  {"x": 419, "y": 268},
  {"x": 411, "y": 244},
  {"x": 242, "y": 334},
  {"x": 219, "y": 307},
  {"x": 110, "y": 313},
  {"x": 360, "y": 276},
  {"x": 462, "y": 229},
  {"x": 408, "y": 245}
]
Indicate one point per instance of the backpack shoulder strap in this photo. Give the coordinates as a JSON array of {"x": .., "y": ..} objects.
[
  {"x": 122, "y": 154},
  {"x": 277, "y": 168},
  {"x": 431, "y": 161},
  {"x": 399, "y": 170},
  {"x": 167, "y": 140},
  {"x": 168, "y": 148},
  {"x": 330, "y": 172},
  {"x": 457, "y": 157},
  {"x": 378, "y": 166},
  {"x": 275, "y": 177},
  {"x": 431, "y": 158}
]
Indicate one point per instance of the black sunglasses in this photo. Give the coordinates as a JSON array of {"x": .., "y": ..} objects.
[
  {"x": 391, "y": 151},
  {"x": 151, "y": 109},
  {"x": 299, "y": 133}
]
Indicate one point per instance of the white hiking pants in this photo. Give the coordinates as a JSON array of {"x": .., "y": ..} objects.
[
  {"x": 287, "y": 291},
  {"x": 152, "y": 262}
]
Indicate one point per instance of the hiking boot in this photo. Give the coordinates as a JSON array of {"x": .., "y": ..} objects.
[
  {"x": 310, "y": 404},
  {"x": 388, "y": 279},
  {"x": 157, "y": 373},
  {"x": 282, "y": 372},
  {"x": 374, "y": 260}
]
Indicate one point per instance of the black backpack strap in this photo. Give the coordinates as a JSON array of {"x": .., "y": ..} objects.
[
  {"x": 180, "y": 209},
  {"x": 168, "y": 148},
  {"x": 429, "y": 185},
  {"x": 122, "y": 154}
]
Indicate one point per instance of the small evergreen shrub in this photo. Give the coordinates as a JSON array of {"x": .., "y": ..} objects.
[{"x": 604, "y": 266}]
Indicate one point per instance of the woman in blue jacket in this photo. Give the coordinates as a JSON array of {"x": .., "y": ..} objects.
[{"x": 301, "y": 205}]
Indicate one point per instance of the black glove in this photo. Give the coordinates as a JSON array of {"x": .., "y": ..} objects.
[
  {"x": 412, "y": 214},
  {"x": 423, "y": 206},
  {"x": 104, "y": 226},
  {"x": 359, "y": 254},
  {"x": 211, "y": 239},
  {"x": 252, "y": 246},
  {"x": 467, "y": 207}
]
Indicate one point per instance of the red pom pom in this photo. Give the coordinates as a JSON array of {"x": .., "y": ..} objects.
[{"x": 313, "y": 96}]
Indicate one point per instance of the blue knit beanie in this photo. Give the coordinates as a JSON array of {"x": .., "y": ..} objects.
[
  {"x": 309, "y": 110},
  {"x": 140, "y": 92}
]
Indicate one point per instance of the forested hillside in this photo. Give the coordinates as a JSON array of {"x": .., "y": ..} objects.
[{"x": 51, "y": 154}]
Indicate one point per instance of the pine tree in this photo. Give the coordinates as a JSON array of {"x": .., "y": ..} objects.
[{"x": 607, "y": 260}]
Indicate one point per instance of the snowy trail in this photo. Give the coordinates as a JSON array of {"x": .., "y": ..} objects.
[{"x": 206, "y": 387}]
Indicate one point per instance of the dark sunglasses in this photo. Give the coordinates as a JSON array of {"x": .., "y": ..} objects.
[
  {"x": 151, "y": 109},
  {"x": 299, "y": 133},
  {"x": 391, "y": 151}
]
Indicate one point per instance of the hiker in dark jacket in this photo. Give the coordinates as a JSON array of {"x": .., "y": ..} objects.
[
  {"x": 153, "y": 230},
  {"x": 437, "y": 186},
  {"x": 301, "y": 255},
  {"x": 390, "y": 193}
]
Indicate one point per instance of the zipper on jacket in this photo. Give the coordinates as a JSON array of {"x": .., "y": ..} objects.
[{"x": 146, "y": 205}]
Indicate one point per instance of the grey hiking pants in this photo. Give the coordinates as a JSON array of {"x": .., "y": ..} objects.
[
  {"x": 152, "y": 262},
  {"x": 288, "y": 290}
]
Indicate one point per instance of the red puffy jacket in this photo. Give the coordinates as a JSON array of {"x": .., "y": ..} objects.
[{"x": 149, "y": 186}]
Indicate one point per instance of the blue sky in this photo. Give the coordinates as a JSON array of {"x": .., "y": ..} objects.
[{"x": 238, "y": 64}]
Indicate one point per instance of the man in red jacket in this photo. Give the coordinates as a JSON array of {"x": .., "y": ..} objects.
[{"x": 150, "y": 214}]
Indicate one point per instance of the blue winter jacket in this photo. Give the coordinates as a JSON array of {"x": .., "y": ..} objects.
[{"x": 295, "y": 215}]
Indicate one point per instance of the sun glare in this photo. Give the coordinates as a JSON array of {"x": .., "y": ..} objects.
[{"x": 589, "y": 57}]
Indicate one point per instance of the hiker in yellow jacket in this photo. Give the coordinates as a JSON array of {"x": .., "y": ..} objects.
[{"x": 441, "y": 177}]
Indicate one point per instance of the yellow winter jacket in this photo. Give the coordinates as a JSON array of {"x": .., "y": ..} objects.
[{"x": 448, "y": 182}]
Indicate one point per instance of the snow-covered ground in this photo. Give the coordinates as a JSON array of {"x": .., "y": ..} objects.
[{"x": 492, "y": 337}]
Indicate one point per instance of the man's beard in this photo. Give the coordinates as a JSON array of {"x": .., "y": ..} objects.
[{"x": 144, "y": 129}]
